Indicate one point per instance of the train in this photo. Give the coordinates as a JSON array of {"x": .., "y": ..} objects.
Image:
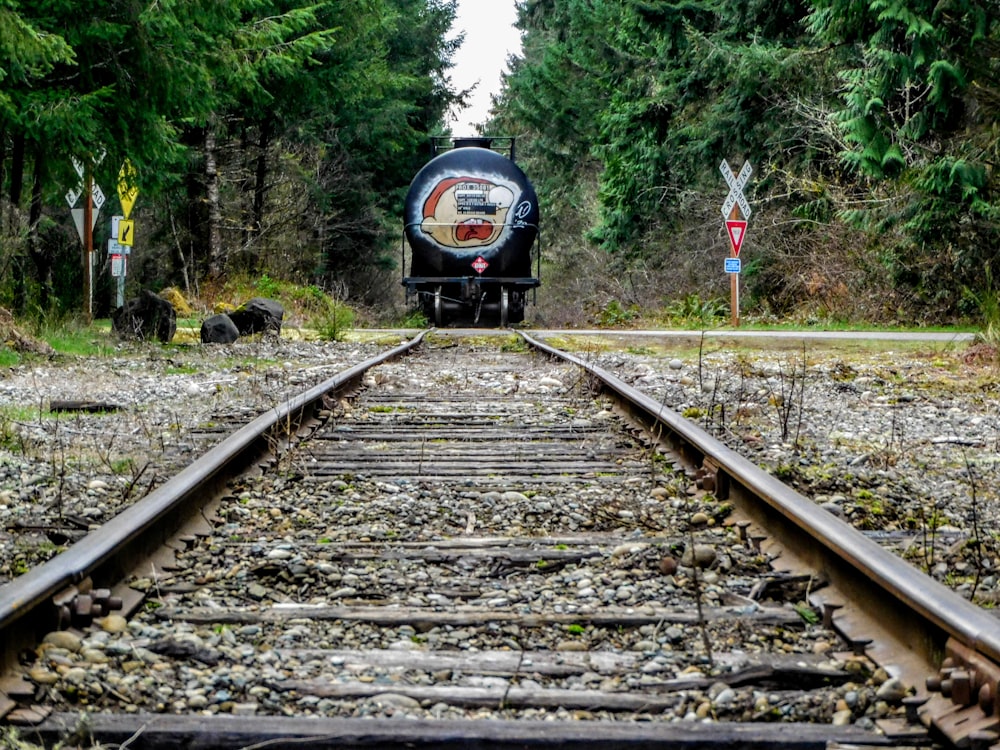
[{"x": 471, "y": 229}]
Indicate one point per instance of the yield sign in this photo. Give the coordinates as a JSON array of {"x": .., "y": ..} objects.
[
  {"x": 78, "y": 220},
  {"x": 737, "y": 231},
  {"x": 480, "y": 264}
]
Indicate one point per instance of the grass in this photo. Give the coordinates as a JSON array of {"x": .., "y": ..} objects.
[{"x": 78, "y": 341}]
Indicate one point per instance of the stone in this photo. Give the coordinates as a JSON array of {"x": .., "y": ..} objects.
[
  {"x": 64, "y": 639},
  {"x": 703, "y": 555},
  {"x": 43, "y": 676},
  {"x": 145, "y": 317},
  {"x": 842, "y": 718},
  {"x": 113, "y": 624},
  {"x": 397, "y": 700},
  {"x": 219, "y": 329},
  {"x": 258, "y": 315},
  {"x": 892, "y": 690}
]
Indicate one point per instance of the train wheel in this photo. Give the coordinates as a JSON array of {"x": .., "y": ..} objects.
[
  {"x": 504, "y": 307},
  {"x": 517, "y": 307},
  {"x": 438, "y": 308}
]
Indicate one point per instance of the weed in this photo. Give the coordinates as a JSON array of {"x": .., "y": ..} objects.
[
  {"x": 987, "y": 302},
  {"x": 514, "y": 344},
  {"x": 790, "y": 393},
  {"x": 694, "y": 312},
  {"x": 181, "y": 370},
  {"x": 807, "y": 613},
  {"x": 77, "y": 340},
  {"x": 615, "y": 314},
  {"x": 334, "y": 323},
  {"x": 266, "y": 286},
  {"x": 415, "y": 319}
]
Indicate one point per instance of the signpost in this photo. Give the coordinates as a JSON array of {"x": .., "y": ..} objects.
[
  {"x": 85, "y": 217},
  {"x": 123, "y": 228},
  {"x": 733, "y": 208}
]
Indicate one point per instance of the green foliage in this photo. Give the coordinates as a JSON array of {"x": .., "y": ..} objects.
[
  {"x": 266, "y": 286},
  {"x": 334, "y": 321},
  {"x": 513, "y": 344},
  {"x": 987, "y": 304},
  {"x": 807, "y": 613},
  {"x": 275, "y": 139},
  {"x": 269, "y": 138},
  {"x": 71, "y": 338},
  {"x": 614, "y": 313},
  {"x": 867, "y": 121},
  {"x": 692, "y": 311},
  {"x": 414, "y": 319}
]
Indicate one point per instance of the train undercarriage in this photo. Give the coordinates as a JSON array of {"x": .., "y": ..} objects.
[{"x": 471, "y": 300}]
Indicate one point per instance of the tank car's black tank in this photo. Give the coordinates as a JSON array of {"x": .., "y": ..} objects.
[{"x": 471, "y": 223}]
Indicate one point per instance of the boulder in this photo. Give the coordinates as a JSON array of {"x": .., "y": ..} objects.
[
  {"x": 145, "y": 317},
  {"x": 173, "y": 295},
  {"x": 258, "y": 315},
  {"x": 219, "y": 329}
]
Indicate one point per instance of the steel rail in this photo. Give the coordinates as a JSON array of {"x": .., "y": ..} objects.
[
  {"x": 131, "y": 534},
  {"x": 833, "y": 547},
  {"x": 923, "y": 616}
]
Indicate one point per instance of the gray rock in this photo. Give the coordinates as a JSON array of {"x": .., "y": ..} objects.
[{"x": 219, "y": 329}]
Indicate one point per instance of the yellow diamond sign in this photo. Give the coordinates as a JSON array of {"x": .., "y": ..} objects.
[
  {"x": 125, "y": 232},
  {"x": 127, "y": 190}
]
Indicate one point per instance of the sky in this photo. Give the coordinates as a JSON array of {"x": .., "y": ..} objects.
[{"x": 490, "y": 37}]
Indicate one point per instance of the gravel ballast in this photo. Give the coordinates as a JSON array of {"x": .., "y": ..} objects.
[{"x": 896, "y": 442}]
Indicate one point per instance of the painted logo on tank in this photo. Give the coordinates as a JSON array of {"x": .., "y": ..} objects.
[{"x": 466, "y": 212}]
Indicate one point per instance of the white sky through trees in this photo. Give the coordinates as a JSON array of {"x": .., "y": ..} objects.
[{"x": 490, "y": 37}]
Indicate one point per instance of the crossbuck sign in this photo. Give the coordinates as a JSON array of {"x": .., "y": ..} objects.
[
  {"x": 736, "y": 184},
  {"x": 735, "y": 226}
]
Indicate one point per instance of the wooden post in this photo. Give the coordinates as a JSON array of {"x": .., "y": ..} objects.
[{"x": 735, "y": 203}]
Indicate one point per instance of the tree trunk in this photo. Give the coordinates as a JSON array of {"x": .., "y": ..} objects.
[
  {"x": 260, "y": 186},
  {"x": 216, "y": 259},
  {"x": 40, "y": 255},
  {"x": 16, "y": 169}
]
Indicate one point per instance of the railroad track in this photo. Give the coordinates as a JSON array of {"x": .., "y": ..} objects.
[{"x": 455, "y": 547}]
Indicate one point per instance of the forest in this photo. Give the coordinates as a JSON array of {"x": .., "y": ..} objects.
[{"x": 274, "y": 140}]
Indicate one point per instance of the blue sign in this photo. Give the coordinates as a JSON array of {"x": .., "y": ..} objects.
[{"x": 733, "y": 265}]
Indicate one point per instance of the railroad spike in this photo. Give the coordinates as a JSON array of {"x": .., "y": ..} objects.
[
  {"x": 829, "y": 608},
  {"x": 912, "y": 704},
  {"x": 859, "y": 645}
]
